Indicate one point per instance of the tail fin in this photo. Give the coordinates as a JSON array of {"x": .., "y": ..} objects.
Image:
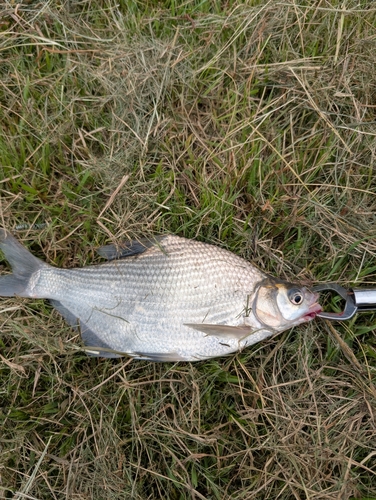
[{"x": 23, "y": 263}]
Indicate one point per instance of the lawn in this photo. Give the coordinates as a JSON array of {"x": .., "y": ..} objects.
[{"x": 246, "y": 124}]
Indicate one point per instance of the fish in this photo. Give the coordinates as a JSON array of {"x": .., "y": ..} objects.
[{"x": 165, "y": 298}]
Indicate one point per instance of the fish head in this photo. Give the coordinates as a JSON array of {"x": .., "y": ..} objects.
[{"x": 279, "y": 305}]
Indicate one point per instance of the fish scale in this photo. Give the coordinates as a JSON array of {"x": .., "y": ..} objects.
[{"x": 166, "y": 299}]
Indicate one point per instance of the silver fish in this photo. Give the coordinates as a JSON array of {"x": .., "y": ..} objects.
[{"x": 169, "y": 299}]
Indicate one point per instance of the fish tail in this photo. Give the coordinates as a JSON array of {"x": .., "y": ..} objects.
[{"x": 23, "y": 263}]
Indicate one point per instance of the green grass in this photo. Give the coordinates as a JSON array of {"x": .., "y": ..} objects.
[{"x": 245, "y": 124}]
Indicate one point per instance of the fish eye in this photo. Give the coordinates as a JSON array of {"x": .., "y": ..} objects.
[{"x": 296, "y": 296}]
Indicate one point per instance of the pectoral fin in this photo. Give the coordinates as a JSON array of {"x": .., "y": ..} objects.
[{"x": 222, "y": 331}]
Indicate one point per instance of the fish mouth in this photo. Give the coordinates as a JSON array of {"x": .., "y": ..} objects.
[{"x": 313, "y": 311}]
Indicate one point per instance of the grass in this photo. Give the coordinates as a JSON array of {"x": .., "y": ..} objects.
[{"x": 245, "y": 124}]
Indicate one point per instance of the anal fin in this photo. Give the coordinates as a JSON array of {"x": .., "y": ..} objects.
[
  {"x": 170, "y": 357},
  {"x": 94, "y": 346}
]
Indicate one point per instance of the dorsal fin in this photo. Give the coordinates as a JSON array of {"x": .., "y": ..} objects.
[{"x": 127, "y": 249}]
